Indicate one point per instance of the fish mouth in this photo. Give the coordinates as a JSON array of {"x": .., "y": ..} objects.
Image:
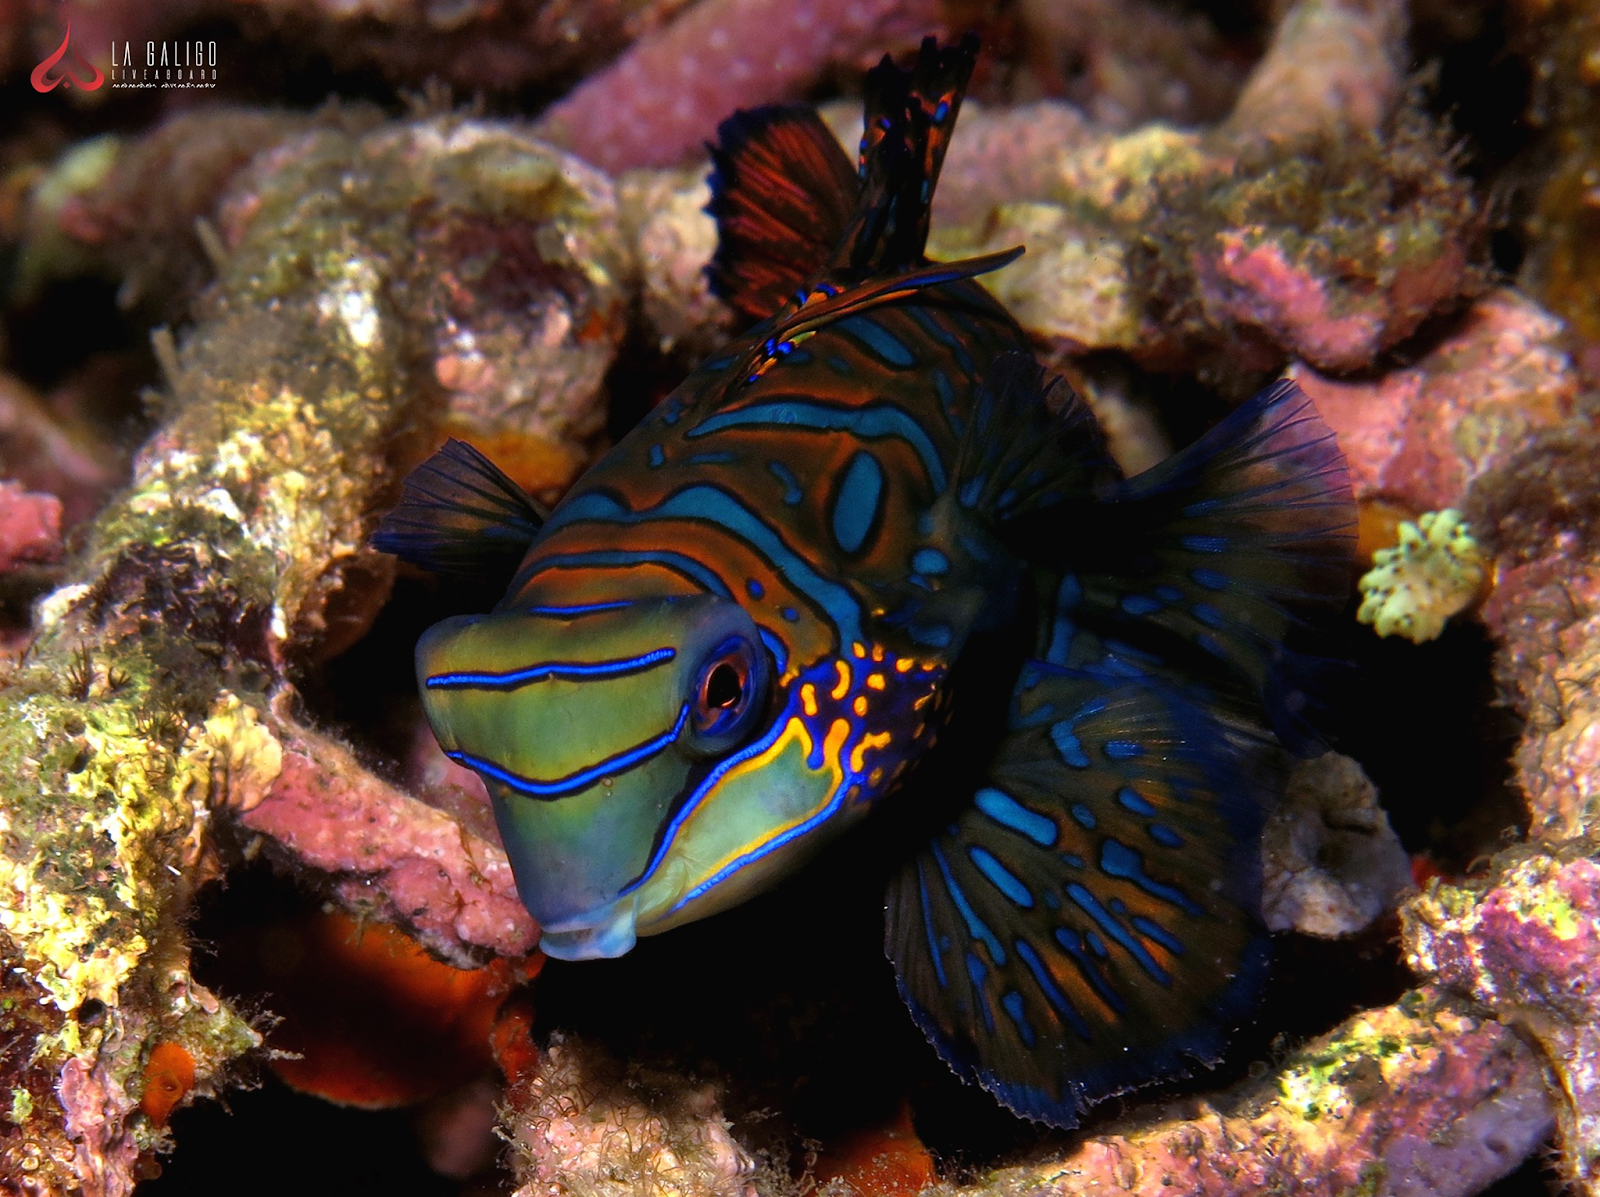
[{"x": 601, "y": 934}]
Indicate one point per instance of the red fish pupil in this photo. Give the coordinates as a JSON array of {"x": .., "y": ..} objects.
[{"x": 723, "y": 688}]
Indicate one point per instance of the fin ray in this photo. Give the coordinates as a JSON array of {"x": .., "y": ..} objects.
[
  {"x": 1240, "y": 548},
  {"x": 1030, "y": 442},
  {"x": 910, "y": 115},
  {"x": 460, "y": 514},
  {"x": 1087, "y": 923},
  {"x": 782, "y": 193}
]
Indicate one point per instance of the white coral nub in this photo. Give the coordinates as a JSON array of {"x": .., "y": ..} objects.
[{"x": 1435, "y": 571}]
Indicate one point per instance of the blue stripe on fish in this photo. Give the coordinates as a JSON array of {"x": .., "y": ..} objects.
[
  {"x": 934, "y": 954},
  {"x": 717, "y": 506},
  {"x": 574, "y": 610},
  {"x": 870, "y": 421},
  {"x": 1008, "y": 812},
  {"x": 583, "y": 778},
  {"x": 1119, "y": 860},
  {"x": 548, "y": 671},
  {"x": 1011, "y": 1002},
  {"x": 978, "y": 928},
  {"x": 1059, "y": 1001},
  {"x": 677, "y": 562},
  {"x": 877, "y": 340},
  {"x": 792, "y": 493},
  {"x": 1107, "y": 922},
  {"x": 1000, "y": 877}
]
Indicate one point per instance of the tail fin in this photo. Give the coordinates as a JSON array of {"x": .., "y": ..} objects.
[{"x": 909, "y": 119}]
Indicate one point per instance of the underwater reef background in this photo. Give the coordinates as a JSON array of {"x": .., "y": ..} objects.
[{"x": 259, "y": 258}]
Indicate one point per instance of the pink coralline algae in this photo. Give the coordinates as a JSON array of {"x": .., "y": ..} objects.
[
  {"x": 666, "y": 95},
  {"x": 1417, "y": 1098},
  {"x": 47, "y": 453},
  {"x": 391, "y": 853},
  {"x": 30, "y": 526},
  {"x": 1529, "y": 949},
  {"x": 1420, "y": 435},
  {"x": 1261, "y": 284},
  {"x": 1323, "y": 247},
  {"x": 95, "y": 1107}
]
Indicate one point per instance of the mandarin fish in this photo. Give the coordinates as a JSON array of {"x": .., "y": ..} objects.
[{"x": 872, "y": 523}]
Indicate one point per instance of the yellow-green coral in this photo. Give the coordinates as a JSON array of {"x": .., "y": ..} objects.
[{"x": 1435, "y": 571}]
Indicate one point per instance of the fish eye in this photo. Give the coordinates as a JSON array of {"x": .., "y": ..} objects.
[
  {"x": 724, "y": 687},
  {"x": 726, "y": 693}
]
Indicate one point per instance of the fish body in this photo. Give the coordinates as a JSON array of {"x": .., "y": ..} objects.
[{"x": 745, "y": 626}]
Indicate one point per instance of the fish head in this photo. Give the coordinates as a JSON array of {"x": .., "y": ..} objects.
[{"x": 589, "y": 726}]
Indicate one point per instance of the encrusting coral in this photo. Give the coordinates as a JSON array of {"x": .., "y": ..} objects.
[{"x": 660, "y": 101}]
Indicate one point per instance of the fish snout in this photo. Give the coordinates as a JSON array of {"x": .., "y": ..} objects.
[{"x": 600, "y": 934}]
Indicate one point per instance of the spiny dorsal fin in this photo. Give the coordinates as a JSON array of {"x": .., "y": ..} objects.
[
  {"x": 789, "y": 208},
  {"x": 782, "y": 192},
  {"x": 460, "y": 514},
  {"x": 1031, "y": 442},
  {"x": 910, "y": 116}
]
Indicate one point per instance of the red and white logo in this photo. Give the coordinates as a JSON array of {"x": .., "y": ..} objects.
[{"x": 47, "y": 77}]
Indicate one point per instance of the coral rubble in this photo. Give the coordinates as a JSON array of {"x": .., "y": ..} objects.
[
  {"x": 592, "y": 1125},
  {"x": 1331, "y": 863}
]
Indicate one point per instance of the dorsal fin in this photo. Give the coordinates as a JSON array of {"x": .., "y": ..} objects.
[
  {"x": 460, "y": 514},
  {"x": 790, "y": 211},
  {"x": 782, "y": 193},
  {"x": 910, "y": 116}
]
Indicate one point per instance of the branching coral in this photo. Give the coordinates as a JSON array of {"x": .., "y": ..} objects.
[{"x": 658, "y": 103}]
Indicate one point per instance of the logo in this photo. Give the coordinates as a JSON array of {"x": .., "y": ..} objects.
[
  {"x": 46, "y": 78},
  {"x": 190, "y": 64}
]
